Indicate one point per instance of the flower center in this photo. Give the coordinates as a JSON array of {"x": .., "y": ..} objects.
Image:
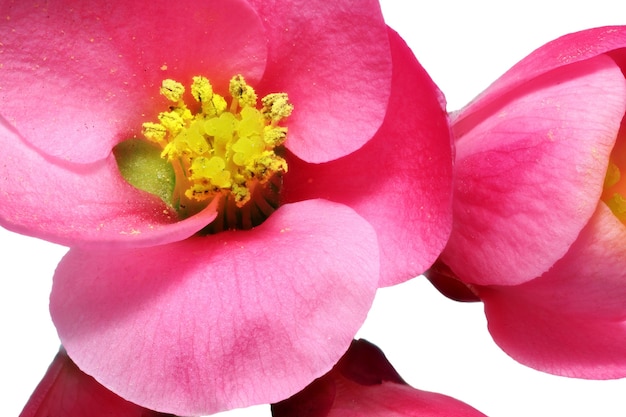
[
  {"x": 222, "y": 150},
  {"x": 614, "y": 191}
]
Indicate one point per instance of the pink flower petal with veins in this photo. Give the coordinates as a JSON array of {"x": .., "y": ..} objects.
[
  {"x": 572, "y": 320},
  {"x": 406, "y": 166},
  {"x": 529, "y": 171},
  {"x": 201, "y": 325},
  {"x": 79, "y": 77},
  {"x": 333, "y": 60}
]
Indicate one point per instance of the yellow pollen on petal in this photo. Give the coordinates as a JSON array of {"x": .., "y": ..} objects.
[{"x": 221, "y": 148}]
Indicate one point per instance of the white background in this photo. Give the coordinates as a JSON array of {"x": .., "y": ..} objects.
[{"x": 436, "y": 344}]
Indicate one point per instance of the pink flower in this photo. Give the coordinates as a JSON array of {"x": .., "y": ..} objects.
[
  {"x": 364, "y": 383},
  {"x": 193, "y": 323},
  {"x": 536, "y": 233},
  {"x": 68, "y": 392}
]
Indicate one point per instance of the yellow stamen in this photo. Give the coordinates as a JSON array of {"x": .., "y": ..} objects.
[
  {"x": 172, "y": 90},
  {"x": 614, "y": 191},
  {"x": 617, "y": 204},
  {"x": 276, "y": 106},
  {"x": 242, "y": 93},
  {"x": 202, "y": 92},
  {"x": 613, "y": 175}
]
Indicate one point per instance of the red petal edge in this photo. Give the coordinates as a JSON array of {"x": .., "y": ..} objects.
[
  {"x": 364, "y": 383},
  {"x": 68, "y": 392}
]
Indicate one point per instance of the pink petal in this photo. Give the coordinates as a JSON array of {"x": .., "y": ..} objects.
[
  {"x": 82, "y": 204},
  {"x": 568, "y": 49},
  {"x": 364, "y": 383},
  {"x": 332, "y": 58},
  {"x": 68, "y": 392},
  {"x": 590, "y": 280},
  {"x": 572, "y": 320},
  {"x": 202, "y": 325},
  {"x": 529, "y": 172},
  {"x": 400, "y": 181},
  {"x": 78, "y": 77},
  {"x": 394, "y": 400},
  {"x": 549, "y": 341}
]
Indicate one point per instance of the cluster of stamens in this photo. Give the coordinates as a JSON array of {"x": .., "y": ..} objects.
[{"x": 223, "y": 150}]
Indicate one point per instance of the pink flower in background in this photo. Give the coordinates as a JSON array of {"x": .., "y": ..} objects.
[
  {"x": 158, "y": 311},
  {"x": 364, "y": 383},
  {"x": 538, "y": 231}
]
